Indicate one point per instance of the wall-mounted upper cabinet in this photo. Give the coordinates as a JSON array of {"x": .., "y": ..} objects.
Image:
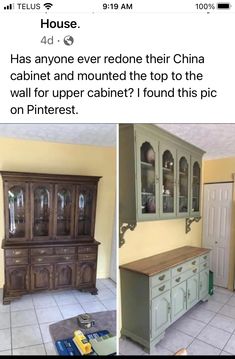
[{"x": 159, "y": 175}]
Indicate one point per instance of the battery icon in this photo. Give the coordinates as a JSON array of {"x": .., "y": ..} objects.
[{"x": 223, "y": 5}]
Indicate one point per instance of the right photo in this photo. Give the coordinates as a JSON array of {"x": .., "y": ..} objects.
[{"x": 176, "y": 239}]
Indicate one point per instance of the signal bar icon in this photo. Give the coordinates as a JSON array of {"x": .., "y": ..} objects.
[{"x": 9, "y": 7}]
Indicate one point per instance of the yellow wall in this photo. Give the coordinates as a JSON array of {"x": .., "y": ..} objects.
[
  {"x": 154, "y": 237},
  {"x": 57, "y": 158},
  {"x": 219, "y": 170}
]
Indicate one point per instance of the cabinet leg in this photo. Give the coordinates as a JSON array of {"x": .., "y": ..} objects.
[
  {"x": 94, "y": 291},
  {"x": 6, "y": 301}
]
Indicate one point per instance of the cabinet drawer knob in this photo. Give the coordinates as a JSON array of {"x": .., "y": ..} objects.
[
  {"x": 17, "y": 261},
  {"x": 17, "y": 253},
  {"x": 42, "y": 252},
  {"x": 67, "y": 258},
  {"x": 39, "y": 259},
  {"x": 162, "y": 277},
  {"x": 194, "y": 262},
  {"x": 162, "y": 288},
  {"x": 179, "y": 269},
  {"x": 205, "y": 264},
  {"x": 195, "y": 270},
  {"x": 205, "y": 257},
  {"x": 178, "y": 279}
]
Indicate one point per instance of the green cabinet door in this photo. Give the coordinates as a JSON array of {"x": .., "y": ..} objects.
[
  {"x": 178, "y": 301},
  {"x": 192, "y": 291},
  {"x": 203, "y": 284},
  {"x": 195, "y": 187},
  {"x": 147, "y": 170},
  {"x": 168, "y": 166},
  {"x": 160, "y": 314}
]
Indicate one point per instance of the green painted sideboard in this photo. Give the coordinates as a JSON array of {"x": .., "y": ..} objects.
[{"x": 158, "y": 290}]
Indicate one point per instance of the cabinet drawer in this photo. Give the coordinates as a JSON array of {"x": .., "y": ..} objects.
[
  {"x": 19, "y": 260},
  {"x": 53, "y": 259},
  {"x": 160, "y": 278},
  {"x": 193, "y": 262},
  {"x": 204, "y": 258},
  {"x": 67, "y": 250},
  {"x": 162, "y": 288},
  {"x": 184, "y": 276},
  {"x": 89, "y": 256},
  {"x": 91, "y": 249},
  {"x": 16, "y": 252},
  {"x": 204, "y": 265},
  {"x": 180, "y": 269},
  {"x": 41, "y": 251}
]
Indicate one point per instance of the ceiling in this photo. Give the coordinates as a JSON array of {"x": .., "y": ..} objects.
[
  {"x": 217, "y": 139},
  {"x": 83, "y": 134}
]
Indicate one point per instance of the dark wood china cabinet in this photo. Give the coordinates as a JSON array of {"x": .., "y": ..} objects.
[{"x": 49, "y": 233}]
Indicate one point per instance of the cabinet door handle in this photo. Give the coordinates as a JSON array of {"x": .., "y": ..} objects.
[
  {"x": 17, "y": 261},
  {"x": 189, "y": 293},
  {"x": 39, "y": 259},
  {"x": 200, "y": 285},
  {"x": 195, "y": 270},
  {"x": 194, "y": 262},
  {"x": 178, "y": 279},
  {"x": 162, "y": 277},
  {"x": 169, "y": 308},
  {"x": 157, "y": 179},
  {"x": 179, "y": 269},
  {"x": 67, "y": 258},
  {"x": 42, "y": 252},
  {"x": 162, "y": 288}
]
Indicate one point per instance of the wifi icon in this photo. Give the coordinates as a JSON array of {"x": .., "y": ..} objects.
[{"x": 48, "y": 5}]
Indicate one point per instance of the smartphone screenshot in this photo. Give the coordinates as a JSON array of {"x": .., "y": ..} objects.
[{"x": 117, "y": 177}]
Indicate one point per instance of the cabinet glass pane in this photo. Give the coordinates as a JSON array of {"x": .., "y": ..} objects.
[
  {"x": 16, "y": 203},
  {"x": 64, "y": 205},
  {"x": 196, "y": 187},
  {"x": 85, "y": 200},
  {"x": 41, "y": 212},
  {"x": 168, "y": 182},
  {"x": 148, "y": 197},
  {"x": 183, "y": 185}
]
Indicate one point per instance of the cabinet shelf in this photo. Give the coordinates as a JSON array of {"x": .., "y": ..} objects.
[{"x": 147, "y": 164}]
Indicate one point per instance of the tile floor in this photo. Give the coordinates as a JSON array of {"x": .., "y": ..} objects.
[
  {"x": 24, "y": 324},
  {"x": 207, "y": 329}
]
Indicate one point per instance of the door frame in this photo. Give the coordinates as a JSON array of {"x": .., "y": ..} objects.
[{"x": 231, "y": 245}]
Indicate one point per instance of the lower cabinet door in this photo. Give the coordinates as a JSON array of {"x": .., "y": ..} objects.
[
  {"x": 86, "y": 276},
  {"x": 178, "y": 301},
  {"x": 64, "y": 275},
  {"x": 160, "y": 313},
  {"x": 203, "y": 283},
  {"x": 17, "y": 279},
  {"x": 192, "y": 291},
  {"x": 41, "y": 277}
]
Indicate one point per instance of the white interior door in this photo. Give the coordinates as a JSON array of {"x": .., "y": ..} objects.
[{"x": 217, "y": 213}]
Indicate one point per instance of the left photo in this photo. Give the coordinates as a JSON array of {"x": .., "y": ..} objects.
[{"x": 58, "y": 239}]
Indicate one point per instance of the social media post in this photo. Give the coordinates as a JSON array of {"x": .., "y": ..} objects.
[{"x": 91, "y": 61}]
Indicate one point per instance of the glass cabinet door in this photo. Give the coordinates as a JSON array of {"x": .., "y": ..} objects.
[
  {"x": 17, "y": 195},
  {"x": 183, "y": 186},
  {"x": 42, "y": 205},
  {"x": 168, "y": 183},
  {"x": 148, "y": 181},
  {"x": 85, "y": 212},
  {"x": 64, "y": 213},
  {"x": 196, "y": 172}
]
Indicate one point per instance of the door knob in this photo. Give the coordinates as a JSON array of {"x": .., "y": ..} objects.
[{"x": 216, "y": 242}]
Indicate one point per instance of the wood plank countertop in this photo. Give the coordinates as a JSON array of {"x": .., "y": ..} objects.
[{"x": 163, "y": 261}]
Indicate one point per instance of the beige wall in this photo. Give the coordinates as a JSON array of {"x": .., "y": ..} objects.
[{"x": 57, "y": 158}]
